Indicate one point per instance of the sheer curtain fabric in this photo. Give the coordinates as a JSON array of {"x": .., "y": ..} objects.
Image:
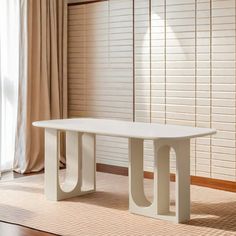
[{"x": 9, "y": 77}]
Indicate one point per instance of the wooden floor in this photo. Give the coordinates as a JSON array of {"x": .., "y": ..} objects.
[{"x": 16, "y": 230}]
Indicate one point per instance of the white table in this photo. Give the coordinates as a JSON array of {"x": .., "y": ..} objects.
[{"x": 81, "y": 161}]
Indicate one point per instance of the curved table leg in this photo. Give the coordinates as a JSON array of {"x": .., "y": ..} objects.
[
  {"x": 80, "y": 171},
  {"x": 88, "y": 162},
  {"x": 159, "y": 208}
]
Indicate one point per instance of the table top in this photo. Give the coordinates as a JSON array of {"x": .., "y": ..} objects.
[{"x": 125, "y": 129}]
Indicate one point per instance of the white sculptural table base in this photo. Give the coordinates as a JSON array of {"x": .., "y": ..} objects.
[{"x": 81, "y": 166}]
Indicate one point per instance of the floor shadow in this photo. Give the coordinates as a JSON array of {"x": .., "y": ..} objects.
[
  {"x": 104, "y": 199},
  {"x": 217, "y": 215}
]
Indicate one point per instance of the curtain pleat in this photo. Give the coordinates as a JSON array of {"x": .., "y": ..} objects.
[{"x": 43, "y": 98}]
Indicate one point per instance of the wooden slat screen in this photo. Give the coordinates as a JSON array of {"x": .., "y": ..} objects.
[
  {"x": 100, "y": 69},
  {"x": 162, "y": 61}
]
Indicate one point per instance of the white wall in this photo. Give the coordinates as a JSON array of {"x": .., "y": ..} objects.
[{"x": 162, "y": 61}]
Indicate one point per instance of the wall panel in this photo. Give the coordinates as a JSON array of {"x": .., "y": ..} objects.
[
  {"x": 162, "y": 61},
  {"x": 203, "y": 85},
  {"x": 223, "y": 88},
  {"x": 143, "y": 70},
  {"x": 158, "y": 61},
  {"x": 76, "y": 61},
  {"x": 100, "y": 69},
  {"x": 180, "y": 67}
]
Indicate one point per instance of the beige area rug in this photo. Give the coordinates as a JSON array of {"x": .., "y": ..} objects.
[{"x": 106, "y": 212}]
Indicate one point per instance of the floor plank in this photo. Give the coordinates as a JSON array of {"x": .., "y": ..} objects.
[
  {"x": 16, "y": 230},
  {"x": 7, "y": 229}
]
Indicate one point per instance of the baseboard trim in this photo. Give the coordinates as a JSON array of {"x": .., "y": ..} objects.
[{"x": 195, "y": 180}]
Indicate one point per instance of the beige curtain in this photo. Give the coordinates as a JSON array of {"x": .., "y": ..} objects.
[{"x": 41, "y": 93}]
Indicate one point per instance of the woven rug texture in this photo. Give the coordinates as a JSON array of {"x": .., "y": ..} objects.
[{"x": 22, "y": 201}]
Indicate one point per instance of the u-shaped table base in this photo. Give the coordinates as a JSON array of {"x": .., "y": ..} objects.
[
  {"x": 159, "y": 208},
  {"x": 81, "y": 173}
]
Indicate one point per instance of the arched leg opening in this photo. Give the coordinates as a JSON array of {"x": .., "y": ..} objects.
[
  {"x": 80, "y": 165},
  {"x": 73, "y": 175},
  {"x": 137, "y": 196},
  {"x": 161, "y": 178}
]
